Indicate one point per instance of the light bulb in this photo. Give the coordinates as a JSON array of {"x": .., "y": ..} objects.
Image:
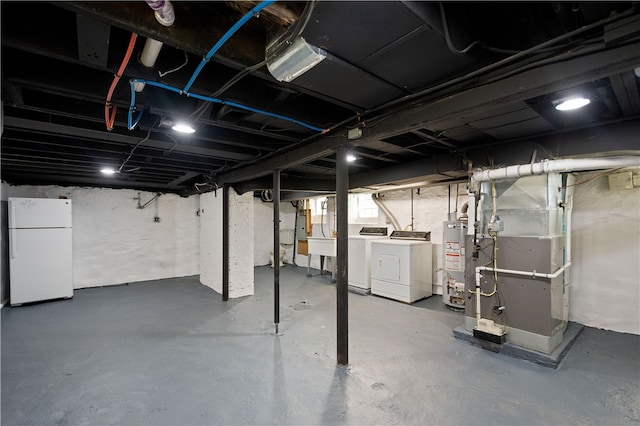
[{"x": 573, "y": 103}]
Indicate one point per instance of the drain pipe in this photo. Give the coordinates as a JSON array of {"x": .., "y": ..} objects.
[
  {"x": 559, "y": 166},
  {"x": 386, "y": 211},
  {"x": 163, "y": 11},
  {"x": 165, "y": 15}
]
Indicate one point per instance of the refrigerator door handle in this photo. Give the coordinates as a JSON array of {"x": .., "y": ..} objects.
[
  {"x": 12, "y": 214},
  {"x": 14, "y": 244}
]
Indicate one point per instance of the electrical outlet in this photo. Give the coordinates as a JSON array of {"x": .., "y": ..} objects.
[{"x": 156, "y": 219}]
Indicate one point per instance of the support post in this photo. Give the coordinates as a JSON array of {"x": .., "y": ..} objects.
[
  {"x": 276, "y": 248},
  {"x": 342, "y": 204},
  {"x": 225, "y": 241}
]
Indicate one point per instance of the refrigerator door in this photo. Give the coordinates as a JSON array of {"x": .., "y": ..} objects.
[
  {"x": 40, "y": 264},
  {"x": 39, "y": 213}
]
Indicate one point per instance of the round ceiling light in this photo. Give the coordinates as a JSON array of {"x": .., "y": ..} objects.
[
  {"x": 351, "y": 157},
  {"x": 572, "y": 103},
  {"x": 107, "y": 171},
  {"x": 183, "y": 128}
]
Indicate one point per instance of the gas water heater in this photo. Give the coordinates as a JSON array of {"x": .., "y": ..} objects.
[{"x": 453, "y": 244}]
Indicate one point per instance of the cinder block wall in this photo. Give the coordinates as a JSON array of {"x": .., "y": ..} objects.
[{"x": 114, "y": 242}]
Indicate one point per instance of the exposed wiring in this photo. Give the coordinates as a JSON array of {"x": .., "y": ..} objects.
[
  {"x": 110, "y": 118},
  {"x": 447, "y": 36},
  {"x": 186, "y": 61},
  {"x": 237, "y": 78},
  {"x": 596, "y": 176},
  {"x": 453, "y": 49},
  {"x": 298, "y": 27},
  {"x": 136, "y": 146},
  {"x": 483, "y": 70}
]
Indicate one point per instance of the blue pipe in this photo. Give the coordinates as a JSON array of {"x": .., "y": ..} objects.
[
  {"x": 131, "y": 124},
  {"x": 272, "y": 114},
  {"x": 253, "y": 12},
  {"x": 160, "y": 85},
  {"x": 208, "y": 99}
]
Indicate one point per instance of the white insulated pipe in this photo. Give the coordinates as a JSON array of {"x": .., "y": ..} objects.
[
  {"x": 150, "y": 52},
  {"x": 165, "y": 15},
  {"x": 558, "y": 166}
]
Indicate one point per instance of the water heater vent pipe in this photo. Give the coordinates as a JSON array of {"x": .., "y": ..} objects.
[{"x": 387, "y": 212}]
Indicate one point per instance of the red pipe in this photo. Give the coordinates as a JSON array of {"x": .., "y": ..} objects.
[{"x": 111, "y": 118}]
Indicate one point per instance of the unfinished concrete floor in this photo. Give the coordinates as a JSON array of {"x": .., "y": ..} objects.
[{"x": 171, "y": 352}]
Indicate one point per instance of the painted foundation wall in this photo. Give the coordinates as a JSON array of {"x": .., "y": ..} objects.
[
  {"x": 241, "y": 242},
  {"x": 430, "y": 210},
  {"x": 605, "y": 290},
  {"x": 605, "y": 285},
  {"x": 114, "y": 242}
]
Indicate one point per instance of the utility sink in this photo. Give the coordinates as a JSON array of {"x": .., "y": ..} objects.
[{"x": 322, "y": 246}]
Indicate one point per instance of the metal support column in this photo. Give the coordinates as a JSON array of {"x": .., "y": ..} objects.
[
  {"x": 342, "y": 204},
  {"x": 225, "y": 241},
  {"x": 276, "y": 248}
]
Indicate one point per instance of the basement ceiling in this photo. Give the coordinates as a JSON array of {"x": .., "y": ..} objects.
[{"x": 433, "y": 87}]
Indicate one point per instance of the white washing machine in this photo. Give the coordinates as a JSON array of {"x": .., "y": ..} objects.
[
  {"x": 359, "y": 255},
  {"x": 401, "y": 266}
]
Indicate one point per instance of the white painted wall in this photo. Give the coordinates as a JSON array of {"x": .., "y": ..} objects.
[
  {"x": 605, "y": 285},
  {"x": 430, "y": 211},
  {"x": 241, "y": 242},
  {"x": 114, "y": 242},
  {"x": 263, "y": 230}
]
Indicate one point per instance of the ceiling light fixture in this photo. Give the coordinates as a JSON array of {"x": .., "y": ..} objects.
[
  {"x": 183, "y": 128},
  {"x": 107, "y": 171},
  {"x": 351, "y": 158},
  {"x": 572, "y": 103},
  {"x": 293, "y": 60}
]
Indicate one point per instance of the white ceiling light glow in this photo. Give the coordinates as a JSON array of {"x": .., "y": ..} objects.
[
  {"x": 351, "y": 157},
  {"x": 572, "y": 103},
  {"x": 107, "y": 171},
  {"x": 183, "y": 128}
]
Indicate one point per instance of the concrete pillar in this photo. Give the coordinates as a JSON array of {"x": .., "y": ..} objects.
[{"x": 241, "y": 262}]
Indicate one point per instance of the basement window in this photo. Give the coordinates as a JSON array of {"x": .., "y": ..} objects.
[{"x": 362, "y": 209}]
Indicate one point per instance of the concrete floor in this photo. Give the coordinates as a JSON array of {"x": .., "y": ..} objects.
[{"x": 171, "y": 352}]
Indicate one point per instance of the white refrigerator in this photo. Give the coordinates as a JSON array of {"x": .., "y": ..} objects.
[{"x": 40, "y": 262}]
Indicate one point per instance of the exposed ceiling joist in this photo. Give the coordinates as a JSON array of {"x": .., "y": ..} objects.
[{"x": 517, "y": 88}]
